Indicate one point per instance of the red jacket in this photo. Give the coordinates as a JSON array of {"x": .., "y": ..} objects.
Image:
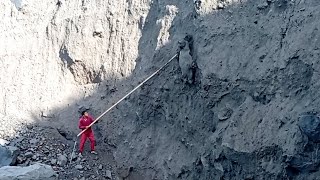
[{"x": 85, "y": 121}]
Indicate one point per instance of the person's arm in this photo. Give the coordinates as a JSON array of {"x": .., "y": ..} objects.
[{"x": 81, "y": 126}]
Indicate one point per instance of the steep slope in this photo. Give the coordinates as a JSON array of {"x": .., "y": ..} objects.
[
  {"x": 55, "y": 53},
  {"x": 256, "y": 78}
]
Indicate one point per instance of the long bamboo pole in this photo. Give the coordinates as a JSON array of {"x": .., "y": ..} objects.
[{"x": 156, "y": 72}]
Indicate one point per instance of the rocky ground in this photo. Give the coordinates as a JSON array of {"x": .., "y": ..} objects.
[{"x": 47, "y": 145}]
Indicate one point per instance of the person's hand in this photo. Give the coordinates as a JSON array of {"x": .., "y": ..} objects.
[{"x": 87, "y": 127}]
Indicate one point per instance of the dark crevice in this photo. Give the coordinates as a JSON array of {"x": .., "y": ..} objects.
[{"x": 65, "y": 57}]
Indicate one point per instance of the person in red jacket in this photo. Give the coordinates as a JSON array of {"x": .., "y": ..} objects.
[{"x": 84, "y": 122}]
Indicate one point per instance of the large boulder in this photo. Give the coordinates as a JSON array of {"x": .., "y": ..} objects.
[
  {"x": 309, "y": 124},
  {"x": 35, "y": 172},
  {"x": 8, "y": 155}
]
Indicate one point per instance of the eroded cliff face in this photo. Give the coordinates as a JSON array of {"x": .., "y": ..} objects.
[
  {"x": 238, "y": 103},
  {"x": 54, "y": 53},
  {"x": 255, "y": 79}
]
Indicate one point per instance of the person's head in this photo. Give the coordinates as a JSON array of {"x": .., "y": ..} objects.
[{"x": 84, "y": 113}]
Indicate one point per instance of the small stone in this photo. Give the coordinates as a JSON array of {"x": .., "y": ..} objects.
[
  {"x": 44, "y": 114},
  {"x": 263, "y": 5},
  {"x": 73, "y": 156},
  {"x": 33, "y": 141},
  {"x": 53, "y": 161},
  {"x": 219, "y": 167},
  {"x": 28, "y": 154},
  {"x": 166, "y": 87},
  {"x": 83, "y": 178},
  {"x": 225, "y": 114},
  {"x": 220, "y": 6},
  {"x": 100, "y": 166},
  {"x": 108, "y": 174},
  {"x": 27, "y": 162},
  {"x": 79, "y": 167},
  {"x": 3, "y": 142},
  {"x": 62, "y": 160},
  {"x": 18, "y": 140},
  {"x": 20, "y": 159}
]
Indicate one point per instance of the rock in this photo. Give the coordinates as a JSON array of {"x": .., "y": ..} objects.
[
  {"x": 26, "y": 163},
  {"x": 303, "y": 164},
  {"x": 35, "y": 172},
  {"x": 79, "y": 167},
  {"x": 34, "y": 157},
  {"x": 263, "y": 6},
  {"x": 33, "y": 141},
  {"x": 123, "y": 172},
  {"x": 73, "y": 156},
  {"x": 44, "y": 114},
  {"x": 66, "y": 134},
  {"x": 46, "y": 152},
  {"x": 220, "y": 6},
  {"x": 17, "y": 141},
  {"x": 83, "y": 178},
  {"x": 8, "y": 155},
  {"x": 28, "y": 154},
  {"x": 309, "y": 124},
  {"x": 62, "y": 160},
  {"x": 20, "y": 159},
  {"x": 225, "y": 114},
  {"x": 53, "y": 161},
  {"x": 218, "y": 166},
  {"x": 100, "y": 166},
  {"x": 108, "y": 174},
  {"x": 3, "y": 142},
  {"x": 14, "y": 152}
]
